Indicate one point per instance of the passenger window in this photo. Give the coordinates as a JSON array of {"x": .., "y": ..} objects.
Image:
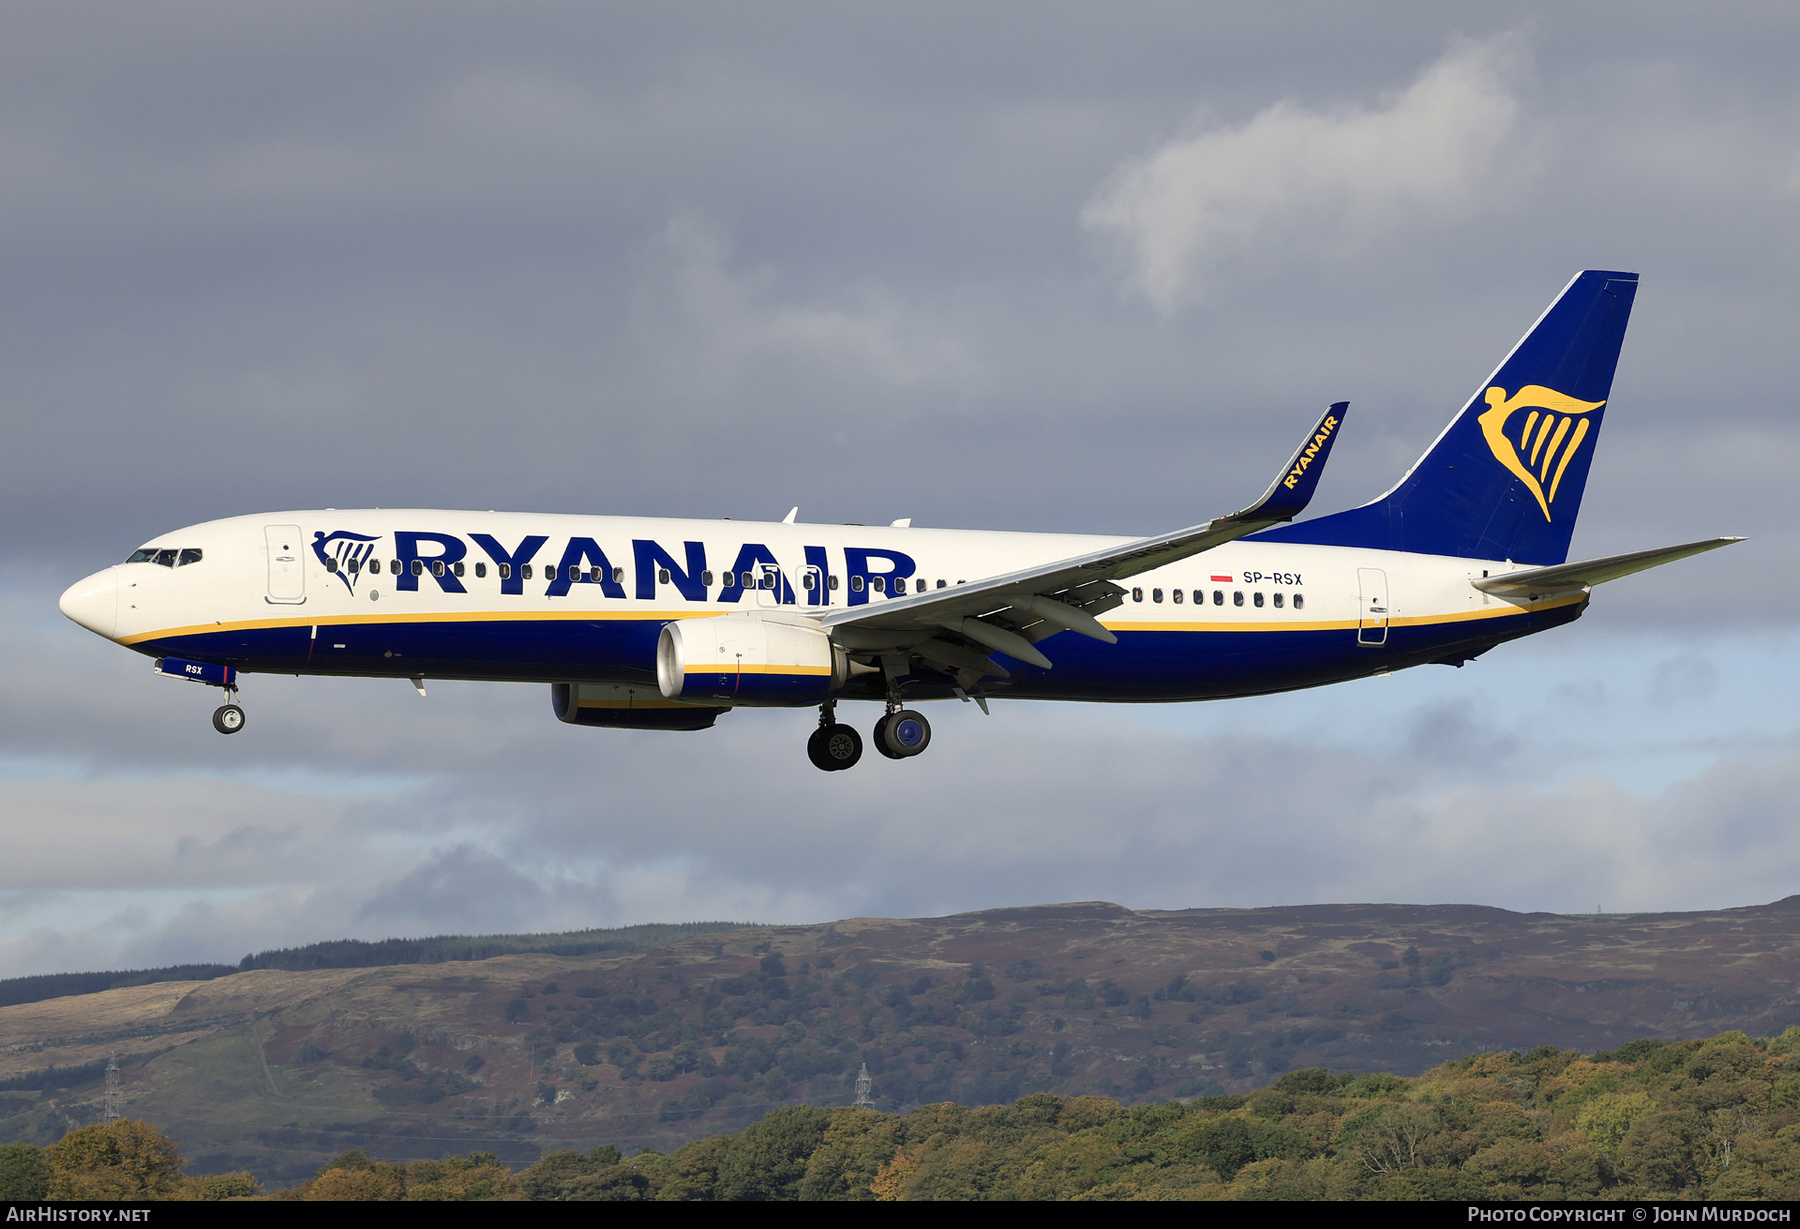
[
  {"x": 856, "y": 584},
  {"x": 437, "y": 567},
  {"x": 1137, "y": 595},
  {"x": 418, "y": 568},
  {"x": 618, "y": 575},
  {"x": 747, "y": 580},
  {"x": 525, "y": 572},
  {"x": 809, "y": 582},
  {"x": 1237, "y": 597},
  {"x": 831, "y": 583},
  {"x": 457, "y": 567},
  {"x": 574, "y": 572},
  {"x": 1218, "y": 597},
  {"x": 394, "y": 566},
  {"x": 1278, "y": 601},
  {"x": 940, "y": 584},
  {"x": 166, "y": 558},
  {"x": 505, "y": 570},
  {"x": 1156, "y": 595},
  {"x": 706, "y": 578},
  {"x": 1177, "y": 596},
  {"x": 878, "y": 583},
  {"x": 1299, "y": 601},
  {"x": 662, "y": 576},
  {"x": 1256, "y": 599},
  {"x": 481, "y": 571},
  {"x": 352, "y": 566},
  {"x": 190, "y": 555}
]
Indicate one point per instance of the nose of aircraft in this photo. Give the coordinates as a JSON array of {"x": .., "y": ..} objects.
[{"x": 94, "y": 602}]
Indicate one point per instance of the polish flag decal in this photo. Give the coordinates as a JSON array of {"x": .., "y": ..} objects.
[{"x": 1224, "y": 580}]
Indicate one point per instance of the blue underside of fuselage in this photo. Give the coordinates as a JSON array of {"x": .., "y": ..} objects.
[{"x": 1143, "y": 666}]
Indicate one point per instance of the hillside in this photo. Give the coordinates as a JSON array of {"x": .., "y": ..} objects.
[{"x": 275, "y": 1070}]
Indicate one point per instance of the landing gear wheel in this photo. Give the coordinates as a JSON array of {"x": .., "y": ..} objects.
[
  {"x": 879, "y": 734},
  {"x": 834, "y": 747},
  {"x": 228, "y": 719},
  {"x": 904, "y": 733}
]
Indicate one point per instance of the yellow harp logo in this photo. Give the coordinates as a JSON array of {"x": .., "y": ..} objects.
[{"x": 1541, "y": 450}]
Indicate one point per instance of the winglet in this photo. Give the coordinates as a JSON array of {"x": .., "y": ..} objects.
[{"x": 1290, "y": 493}]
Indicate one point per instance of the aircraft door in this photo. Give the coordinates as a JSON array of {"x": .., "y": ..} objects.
[
  {"x": 1372, "y": 607},
  {"x": 287, "y": 567},
  {"x": 772, "y": 587}
]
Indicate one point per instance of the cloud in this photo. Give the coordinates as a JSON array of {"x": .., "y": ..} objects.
[
  {"x": 1293, "y": 182},
  {"x": 732, "y": 323}
]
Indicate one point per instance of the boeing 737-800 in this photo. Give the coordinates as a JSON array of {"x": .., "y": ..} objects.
[{"x": 666, "y": 624}]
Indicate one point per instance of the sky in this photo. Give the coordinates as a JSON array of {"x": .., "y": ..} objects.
[{"x": 1007, "y": 266}]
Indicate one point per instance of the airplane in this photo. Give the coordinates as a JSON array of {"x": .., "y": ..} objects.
[{"x": 664, "y": 624}]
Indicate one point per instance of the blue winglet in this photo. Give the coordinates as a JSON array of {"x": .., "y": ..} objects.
[{"x": 1294, "y": 489}]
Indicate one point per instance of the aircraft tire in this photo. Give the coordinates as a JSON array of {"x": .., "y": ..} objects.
[
  {"x": 904, "y": 734},
  {"x": 228, "y": 719},
  {"x": 834, "y": 748},
  {"x": 879, "y": 734}
]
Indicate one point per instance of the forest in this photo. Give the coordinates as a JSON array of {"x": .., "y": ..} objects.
[{"x": 1716, "y": 1118}]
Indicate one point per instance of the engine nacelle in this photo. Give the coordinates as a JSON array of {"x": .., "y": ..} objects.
[
  {"x": 743, "y": 659},
  {"x": 626, "y": 708}
]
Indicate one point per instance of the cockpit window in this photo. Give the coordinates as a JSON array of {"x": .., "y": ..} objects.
[
  {"x": 189, "y": 555},
  {"x": 166, "y": 557},
  {"x": 144, "y": 554}
]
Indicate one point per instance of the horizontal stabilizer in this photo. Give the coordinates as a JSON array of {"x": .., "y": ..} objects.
[{"x": 1565, "y": 576}]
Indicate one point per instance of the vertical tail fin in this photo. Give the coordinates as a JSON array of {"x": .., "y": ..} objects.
[{"x": 1505, "y": 479}]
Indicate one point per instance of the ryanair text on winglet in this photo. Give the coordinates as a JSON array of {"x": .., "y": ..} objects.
[{"x": 1310, "y": 451}]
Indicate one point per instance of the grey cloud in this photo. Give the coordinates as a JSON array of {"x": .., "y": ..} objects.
[{"x": 1684, "y": 678}]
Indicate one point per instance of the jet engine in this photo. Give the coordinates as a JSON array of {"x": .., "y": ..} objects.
[
  {"x": 626, "y": 708},
  {"x": 747, "y": 659}
]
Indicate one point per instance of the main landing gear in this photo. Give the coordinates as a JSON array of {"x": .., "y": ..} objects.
[
  {"x": 899, "y": 735},
  {"x": 902, "y": 734}
]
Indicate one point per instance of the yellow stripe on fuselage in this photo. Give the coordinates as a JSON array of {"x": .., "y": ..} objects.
[
  {"x": 1499, "y": 611},
  {"x": 1285, "y": 625},
  {"x": 731, "y": 667},
  {"x": 484, "y": 616}
]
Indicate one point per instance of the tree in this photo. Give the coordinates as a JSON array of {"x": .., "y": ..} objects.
[
  {"x": 114, "y": 1161},
  {"x": 213, "y": 1187},
  {"x": 1608, "y": 1117},
  {"x": 24, "y": 1172},
  {"x": 768, "y": 1161}
]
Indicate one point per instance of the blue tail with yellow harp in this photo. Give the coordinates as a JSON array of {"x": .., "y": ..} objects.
[{"x": 1505, "y": 479}]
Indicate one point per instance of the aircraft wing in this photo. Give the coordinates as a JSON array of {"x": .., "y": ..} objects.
[
  {"x": 1564, "y": 576},
  {"x": 1009, "y": 613}
]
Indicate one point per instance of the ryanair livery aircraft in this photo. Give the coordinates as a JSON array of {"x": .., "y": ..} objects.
[{"x": 666, "y": 624}]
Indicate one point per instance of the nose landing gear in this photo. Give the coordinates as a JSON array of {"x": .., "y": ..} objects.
[{"x": 228, "y": 718}]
